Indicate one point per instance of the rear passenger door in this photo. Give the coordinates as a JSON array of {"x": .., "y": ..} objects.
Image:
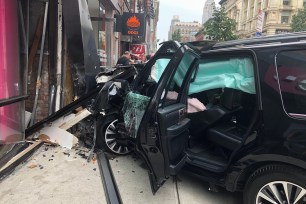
[{"x": 163, "y": 132}]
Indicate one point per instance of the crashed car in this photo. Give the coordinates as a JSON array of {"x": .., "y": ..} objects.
[{"x": 231, "y": 113}]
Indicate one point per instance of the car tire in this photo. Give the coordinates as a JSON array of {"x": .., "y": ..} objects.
[
  {"x": 106, "y": 129},
  {"x": 275, "y": 184}
]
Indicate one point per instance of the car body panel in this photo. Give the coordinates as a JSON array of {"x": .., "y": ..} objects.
[{"x": 279, "y": 136}]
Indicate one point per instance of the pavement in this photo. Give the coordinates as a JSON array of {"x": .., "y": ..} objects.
[
  {"x": 56, "y": 175},
  {"x": 134, "y": 186}
]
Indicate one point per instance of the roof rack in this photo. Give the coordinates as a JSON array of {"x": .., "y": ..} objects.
[{"x": 286, "y": 37}]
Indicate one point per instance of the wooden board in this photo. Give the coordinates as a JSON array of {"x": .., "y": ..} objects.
[{"x": 21, "y": 154}]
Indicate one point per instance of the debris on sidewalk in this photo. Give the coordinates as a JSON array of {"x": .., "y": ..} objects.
[
  {"x": 59, "y": 136},
  {"x": 56, "y": 132}
]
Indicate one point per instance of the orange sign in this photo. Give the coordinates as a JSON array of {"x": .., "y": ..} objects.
[{"x": 134, "y": 24}]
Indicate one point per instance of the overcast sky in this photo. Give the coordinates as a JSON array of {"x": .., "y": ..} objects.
[{"x": 188, "y": 10}]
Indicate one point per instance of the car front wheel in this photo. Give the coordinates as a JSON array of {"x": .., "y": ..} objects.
[
  {"x": 276, "y": 184},
  {"x": 112, "y": 143}
]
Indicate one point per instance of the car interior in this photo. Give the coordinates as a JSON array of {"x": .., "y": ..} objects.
[{"x": 226, "y": 87}]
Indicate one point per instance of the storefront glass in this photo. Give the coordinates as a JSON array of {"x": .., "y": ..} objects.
[{"x": 11, "y": 109}]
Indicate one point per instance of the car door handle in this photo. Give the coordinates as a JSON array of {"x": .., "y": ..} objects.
[
  {"x": 182, "y": 114},
  {"x": 179, "y": 128}
]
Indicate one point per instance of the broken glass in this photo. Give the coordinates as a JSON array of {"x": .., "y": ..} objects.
[{"x": 133, "y": 110}]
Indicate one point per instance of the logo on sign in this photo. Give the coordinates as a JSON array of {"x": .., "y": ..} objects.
[{"x": 133, "y": 25}]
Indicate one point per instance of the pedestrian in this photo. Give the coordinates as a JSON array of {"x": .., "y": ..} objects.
[
  {"x": 124, "y": 60},
  {"x": 148, "y": 57}
]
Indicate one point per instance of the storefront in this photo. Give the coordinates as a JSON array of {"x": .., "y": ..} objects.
[{"x": 11, "y": 78}]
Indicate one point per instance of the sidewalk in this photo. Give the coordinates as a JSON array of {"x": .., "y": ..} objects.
[
  {"x": 134, "y": 186},
  {"x": 54, "y": 175}
]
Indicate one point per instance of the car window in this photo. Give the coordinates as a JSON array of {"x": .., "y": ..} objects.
[
  {"x": 234, "y": 72},
  {"x": 291, "y": 75},
  {"x": 174, "y": 86},
  {"x": 158, "y": 68}
]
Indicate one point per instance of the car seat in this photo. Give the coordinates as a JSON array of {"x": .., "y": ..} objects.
[
  {"x": 229, "y": 134},
  {"x": 229, "y": 104}
]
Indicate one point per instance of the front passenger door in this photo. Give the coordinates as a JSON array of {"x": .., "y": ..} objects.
[{"x": 163, "y": 132}]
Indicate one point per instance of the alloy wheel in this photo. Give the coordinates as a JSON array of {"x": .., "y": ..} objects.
[
  {"x": 281, "y": 192},
  {"x": 112, "y": 142}
]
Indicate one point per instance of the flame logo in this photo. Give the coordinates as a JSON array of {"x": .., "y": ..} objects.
[{"x": 133, "y": 22}]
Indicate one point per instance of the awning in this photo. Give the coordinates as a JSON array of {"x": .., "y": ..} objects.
[{"x": 111, "y": 4}]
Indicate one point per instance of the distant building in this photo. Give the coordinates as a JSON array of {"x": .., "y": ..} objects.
[
  {"x": 208, "y": 10},
  {"x": 277, "y": 15},
  {"x": 187, "y": 29}
]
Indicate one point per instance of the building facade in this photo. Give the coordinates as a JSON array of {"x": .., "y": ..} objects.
[
  {"x": 111, "y": 42},
  {"x": 187, "y": 29},
  {"x": 277, "y": 15},
  {"x": 208, "y": 10}
]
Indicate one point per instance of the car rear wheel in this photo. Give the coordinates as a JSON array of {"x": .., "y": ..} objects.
[
  {"x": 111, "y": 142},
  {"x": 276, "y": 184}
]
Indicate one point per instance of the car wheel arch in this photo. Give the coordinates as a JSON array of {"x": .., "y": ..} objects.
[
  {"x": 236, "y": 180},
  {"x": 275, "y": 175}
]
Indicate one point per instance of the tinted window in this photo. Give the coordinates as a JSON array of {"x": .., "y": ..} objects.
[{"x": 291, "y": 70}]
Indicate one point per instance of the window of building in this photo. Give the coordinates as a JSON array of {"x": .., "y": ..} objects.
[
  {"x": 259, "y": 5},
  {"x": 286, "y": 2},
  {"x": 304, "y": 3},
  {"x": 266, "y": 4},
  {"x": 291, "y": 70},
  {"x": 285, "y": 17}
]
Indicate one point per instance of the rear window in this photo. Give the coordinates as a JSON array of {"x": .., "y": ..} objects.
[{"x": 291, "y": 71}]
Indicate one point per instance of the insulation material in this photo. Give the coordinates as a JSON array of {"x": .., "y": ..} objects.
[
  {"x": 133, "y": 110},
  {"x": 59, "y": 136}
]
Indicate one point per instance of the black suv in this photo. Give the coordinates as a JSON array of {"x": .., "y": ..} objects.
[{"x": 232, "y": 113}]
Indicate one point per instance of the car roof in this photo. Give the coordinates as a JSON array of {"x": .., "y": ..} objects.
[
  {"x": 279, "y": 38},
  {"x": 255, "y": 42}
]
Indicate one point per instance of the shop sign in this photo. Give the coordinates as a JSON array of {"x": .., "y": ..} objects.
[
  {"x": 139, "y": 50},
  {"x": 259, "y": 23},
  {"x": 133, "y": 24}
]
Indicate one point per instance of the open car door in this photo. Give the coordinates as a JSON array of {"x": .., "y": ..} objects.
[
  {"x": 154, "y": 68},
  {"x": 163, "y": 132}
]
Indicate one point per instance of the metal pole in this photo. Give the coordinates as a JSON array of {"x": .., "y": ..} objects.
[
  {"x": 24, "y": 38},
  {"x": 38, "y": 81},
  {"x": 109, "y": 37},
  {"x": 59, "y": 55}
]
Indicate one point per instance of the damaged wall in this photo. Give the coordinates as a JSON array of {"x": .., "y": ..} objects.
[{"x": 46, "y": 98}]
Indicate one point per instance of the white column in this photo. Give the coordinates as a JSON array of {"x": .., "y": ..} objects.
[{"x": 59, "y": 55}]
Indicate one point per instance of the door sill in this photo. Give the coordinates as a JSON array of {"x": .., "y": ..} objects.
[{"x": 207, "y": 159}]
